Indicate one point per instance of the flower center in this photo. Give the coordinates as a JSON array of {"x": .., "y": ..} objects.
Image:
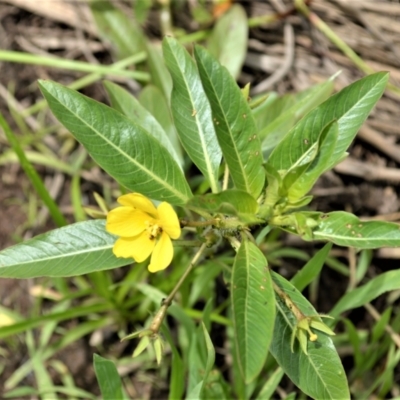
[{"x": 153, "y": 229}]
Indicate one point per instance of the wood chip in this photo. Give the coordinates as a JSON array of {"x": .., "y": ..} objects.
[{"x": 75, "y": 14}]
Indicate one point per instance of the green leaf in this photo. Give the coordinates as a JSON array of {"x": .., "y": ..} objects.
[
  {"x": 379, "y": 328},
  {"x": 192, "y": 112},
  {"x": 141, "y": 10},
  {"x": 128, "y": 105},
  {"x": 69, "y": 251},
  {"x": 217, "y": 388},
  {"x": 345, "y": 229},
  {"x": 354, "y": 339},
  {"x": 141, "y": 346},
  {"x": 69, "y": 392},
  {"x": 31, "y": 173},
  {"x": 298, "y": 169},
  {"x": 210, "y": 353},
  {"x": 230, "y": 202},
  {"x": 350, "y": 107},
  {"x": 276, "y": 118},
  {"x": 311, "y": 270},
  {"x": 326, "y": 146},
  {"x": 363, "y": 264},
  {"x": 195, "y": 393},
  {"x": 319, "y": 374},
  {"x": 273, "y": 190},
  {"x": 235, "y": 126},
  {"x": 176, "y": 383},
  {"x": 364, "y": 294},
  {"x": 269, "y": 387},
  {"x": 21, "y": 392},
  {"x": 160, "y": 76},
  {"x": 228, "y": 40},
  {"x": 270, "y": 109},
  {"x": 152, "y": 99},
  {"x": 253, "y": 306},
  {"x": 123, "y": 149},
  {"x": 117, "y": 28},
  {"x": 204, "y": 281},
  {"x": 196, "y": 365},
  {"x": 301, "y": 223},
  {"x": 108, "y": 378},
  {"x": 71, "y": 313}
]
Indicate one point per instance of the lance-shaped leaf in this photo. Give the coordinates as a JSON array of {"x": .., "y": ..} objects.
[
  {"x": 231, "y": 202},
  {"x": 311, "y": 270},
  {"x": 350, "y": 107},
  {"x": 191, "y": 111},
  {"x": 326, "y": 146},
  {"x": 228, "y": 40},
  {"x": 345, "y": 229},
  {"x": 273, "y": 190},
  {"x": 153, "y": 100},
  {"x": 299, "y": 168},
  {"x": 160, "y": 76},
  {"x": 208, "y": 363},
  {"x": 234, "y": 123},
  {"x": 320, "y": 373},
  {"x": 122, "y": 148},
  {"x": 108, "y": 378},
  {"x": 253, "y": 306},
  {"x": 277, "y": 117},
  {"x": 116, "y": 27},
  {"x": 69, "y": 251},
  {"x": 128, "y": 105},
  {"x": 364, "y": 294}
]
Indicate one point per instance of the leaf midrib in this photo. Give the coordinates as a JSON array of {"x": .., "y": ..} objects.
[
  {"x": 367, "y": 94},
  {"x": 139, "y": 166},
  {"x": 247, "y": 336},
  {"x": 207, "y": 158},
  {"x": 340, "y": 118},
  {"x": 305, "y": 355},
  {"x": 355, "y": 240},
  {"x": 59, "y": 256},
  {"x": 236, "y": 152}
]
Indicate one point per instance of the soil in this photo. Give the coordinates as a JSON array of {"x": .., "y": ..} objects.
[{"x": 366, "y": 184}]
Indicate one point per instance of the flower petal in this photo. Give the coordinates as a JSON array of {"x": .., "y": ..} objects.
[
  {"x": 137, "y": 200},
  {"x": 169, "y": 220},
  {"x": 126, "y": 221},
  {"x": 162, "y": 254},
  {"x": 138, "y": 247}
]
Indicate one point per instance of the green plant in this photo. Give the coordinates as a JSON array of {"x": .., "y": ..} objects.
[{"x": 254, "y": 181}]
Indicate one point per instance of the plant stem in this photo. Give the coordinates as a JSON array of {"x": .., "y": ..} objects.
[
  {"x": 198, "y": 224},
  {"x": 166, "y": 18},
  {"x": 226, "y": 178},
  {"x": 188, "y": 243},
  {"x": 159, "y": 317},
  {"x": 194, "y": 37},
  {"x": 263, "y": 19},
  {"x": 55, "y": 62},
  {"x": 89, "y": 79}
]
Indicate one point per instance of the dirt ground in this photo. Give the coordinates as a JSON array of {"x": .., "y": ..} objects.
[{"x": 367, "y": 183}]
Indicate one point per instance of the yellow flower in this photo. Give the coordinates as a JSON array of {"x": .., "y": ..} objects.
[{"x": 144, "y": 230}]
